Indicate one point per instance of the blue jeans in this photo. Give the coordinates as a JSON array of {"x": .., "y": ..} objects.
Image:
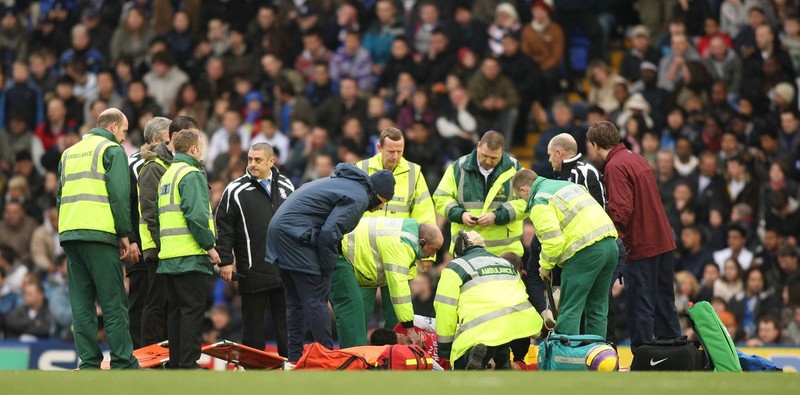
[
  {"x": 650, "y": 299},
  {"x": 306, "y": 300}
]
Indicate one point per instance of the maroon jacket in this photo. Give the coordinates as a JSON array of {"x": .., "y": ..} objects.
[{"x": 635, "y": 205}]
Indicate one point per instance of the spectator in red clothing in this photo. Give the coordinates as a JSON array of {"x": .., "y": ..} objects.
[
  {"x": 711, "y": 27},
  {"x": 635, "y": 206},
  {"x": 49, "y": 131}
]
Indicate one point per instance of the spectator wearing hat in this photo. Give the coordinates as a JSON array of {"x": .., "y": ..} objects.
[
  {"x": 543, "y": 40},
  {"x": 641, "y": 51},
  {"x": 783, "y": 97},
  {"x": 765, "y": 67},
  {"x": 656, "y": 97},
  {"x": 304, "y": 239},
  {"x": 164, "y": 80},
  {"x": 506, "y": 21}
]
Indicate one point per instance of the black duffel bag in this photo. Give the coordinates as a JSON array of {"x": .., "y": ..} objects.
[{"x": 670, "y": 354}]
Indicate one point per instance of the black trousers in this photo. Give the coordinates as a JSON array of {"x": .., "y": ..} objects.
[
  {"x": 255, "y": 307},
  {"x": 154, "y": 316},
  {"x": 137, "y": 290},
  {"x": 500, "y": 354},
  {"x": 187, "y": 305}
]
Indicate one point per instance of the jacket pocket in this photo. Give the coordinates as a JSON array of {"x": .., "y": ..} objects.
[{"x": 309, "y": 237}]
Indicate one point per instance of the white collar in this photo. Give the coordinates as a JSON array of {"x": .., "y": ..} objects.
[{"x": 573, "y": 159}]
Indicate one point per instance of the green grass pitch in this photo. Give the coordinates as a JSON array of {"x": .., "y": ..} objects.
[{"x": 384, "y": 383}]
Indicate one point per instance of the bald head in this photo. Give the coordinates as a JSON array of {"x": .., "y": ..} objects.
[
  {"x": 566, "y": 143},
  {"x": 115, "y": 122},
  {"x": 560, "y": 148},
  {"x": 431, "y": 239}
]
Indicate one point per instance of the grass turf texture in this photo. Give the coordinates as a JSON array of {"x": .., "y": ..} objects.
[{"x": 384, "y": 383}]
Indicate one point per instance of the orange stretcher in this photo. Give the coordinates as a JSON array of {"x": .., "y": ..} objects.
[{"x": 157, "y": 355}]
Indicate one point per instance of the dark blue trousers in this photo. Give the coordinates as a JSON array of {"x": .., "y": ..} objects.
[
  {"x": 650, "y": 299},
  {"x": 306, "y": 302}
]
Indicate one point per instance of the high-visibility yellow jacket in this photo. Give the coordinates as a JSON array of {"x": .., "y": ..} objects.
[
  {"x": 144, "y": 231},
  {"x": 463, "y": 188},
  {"x": 481, "y": 299},
  {"x": 567, "y": 219},
  {"x": 383, "y": 251},
  {"x": 94, "y": 190},
  {"x": 185, "y": 221},
  {"x": 412, "y": 199}
]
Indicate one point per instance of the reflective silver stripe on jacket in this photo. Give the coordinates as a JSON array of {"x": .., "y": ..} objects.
[{"x": 493, "y": 315}]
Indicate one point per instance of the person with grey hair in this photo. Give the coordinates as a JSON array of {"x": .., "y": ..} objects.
[
  {"x": 158, "y": 156},
  {"x": 81, "y": 48},
  {"x": 243, "y": 216},
  {"x": 155, "y": 131}
]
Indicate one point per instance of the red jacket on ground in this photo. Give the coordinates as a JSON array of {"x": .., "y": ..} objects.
[{"x": 635, "y": 205}]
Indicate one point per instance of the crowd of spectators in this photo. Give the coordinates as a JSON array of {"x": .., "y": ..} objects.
[{"x": 705, "y": 90}]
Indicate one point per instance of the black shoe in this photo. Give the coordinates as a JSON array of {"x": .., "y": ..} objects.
[{"x": 476, "y": 356}]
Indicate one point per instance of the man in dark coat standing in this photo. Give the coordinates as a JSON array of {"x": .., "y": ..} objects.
[
  {"x": 635, "y": 206},
  {"x": 304, "y": 238},
  {"x": 243, "y": 215}
]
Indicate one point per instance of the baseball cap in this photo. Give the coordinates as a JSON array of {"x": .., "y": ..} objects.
[{"x": 640, "y": 31}]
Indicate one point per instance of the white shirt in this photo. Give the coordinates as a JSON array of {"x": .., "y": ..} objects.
[
  {"x": 219, "y": 144},
  {"x": 278, "y": 141},
  {"x": 745, "y": 258},
  {"x": 736, "y": 187},
  {"x": 702, "y": 183},
  {"x": 485, "y": 172}
]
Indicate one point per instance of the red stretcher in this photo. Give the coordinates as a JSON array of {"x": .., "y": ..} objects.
[{"x": 157, "y": 355}]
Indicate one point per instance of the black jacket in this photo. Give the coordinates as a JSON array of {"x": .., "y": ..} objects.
[
  {"x": 135, "y": 163},
  {"x": 577, "y": 171},
  {"x": 242, "y": 218}
]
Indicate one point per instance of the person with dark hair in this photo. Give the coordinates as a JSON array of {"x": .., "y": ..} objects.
[
  {"x": 164, "y": 80},
  {"x": 94, "y": 228},
  {"x": 314, "y": 52},
  {"x": 635, "y": 206},
  {"x": 289, "y": 106},
  {"x": 400, "y": 61},
  {"x": 472, "y": 289},
  {"x": 475, "y": 194},
  {"x": 33, "y": 319},
  {"x": 737, "y": 236},
  {"x": 352, "y": 61},
  {"x": 242, "y": 239},
  {"x": 22, "y": 96},
  {"x": 157, "y": 157},
  {"x": 438, "y": 61},
  {"x": 383, "y": 337},
  {"x": 756, "y": 300},
  {"x": 304, "y": 240}
]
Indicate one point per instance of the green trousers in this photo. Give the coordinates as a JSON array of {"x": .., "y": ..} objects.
[
  {"x": 348, "y": 307},
  {"x": 94, "y": 273},
  {"x": 585, "y": 281},
  {"x": 389, "y": 317}
]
